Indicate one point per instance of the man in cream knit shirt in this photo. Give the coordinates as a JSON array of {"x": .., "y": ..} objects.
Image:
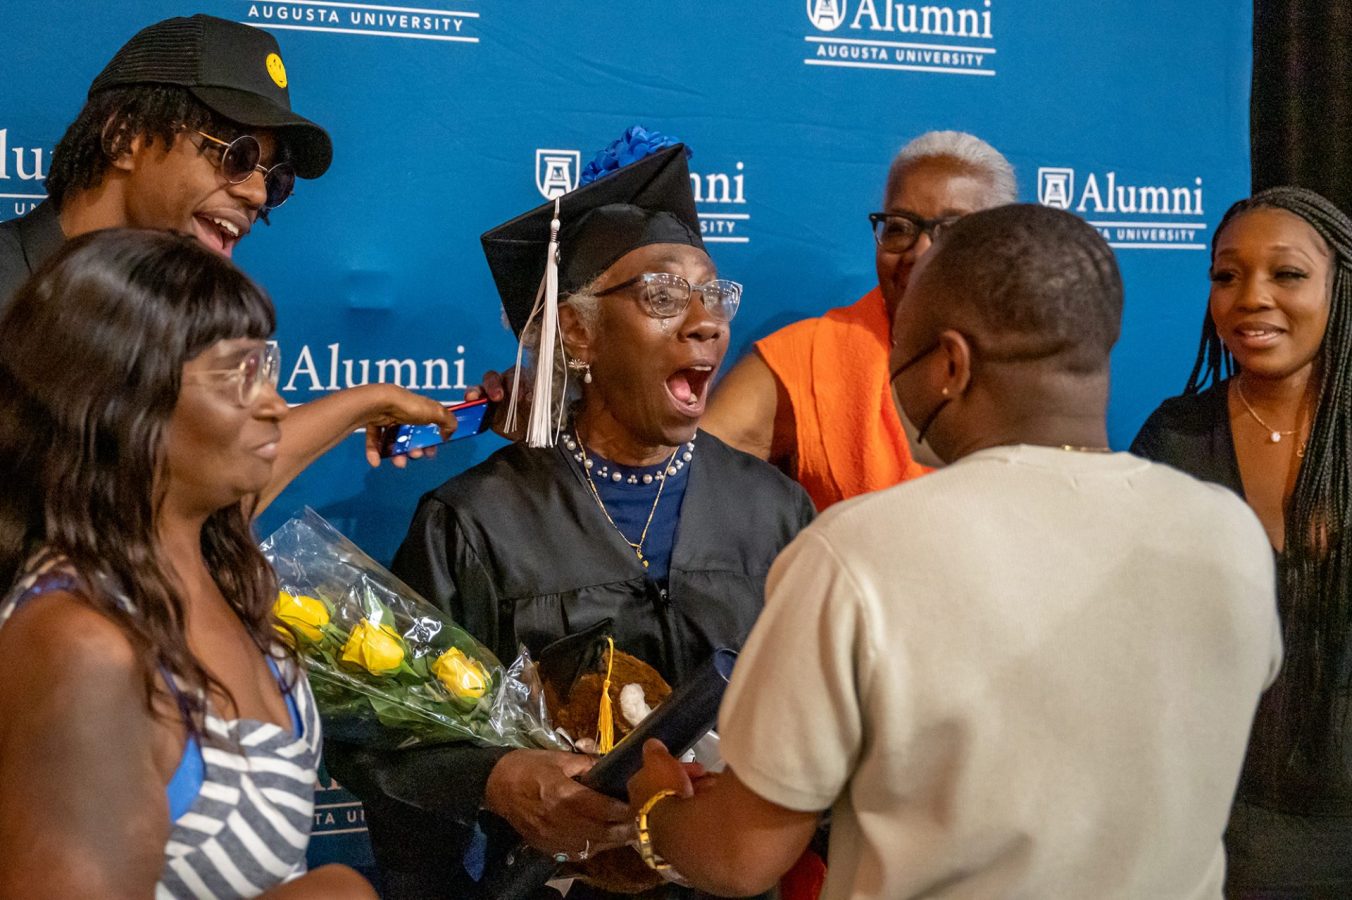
[{"x": 1028, "y": 675}]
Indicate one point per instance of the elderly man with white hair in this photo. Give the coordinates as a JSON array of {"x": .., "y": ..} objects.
[{"x": 813, "y": 398}]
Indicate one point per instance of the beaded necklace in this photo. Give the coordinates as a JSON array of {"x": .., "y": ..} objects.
[{"x": 670, "y": 468}]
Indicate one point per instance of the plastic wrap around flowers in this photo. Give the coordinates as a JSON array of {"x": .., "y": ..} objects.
[
  {"x": 636, "y": 143},
  {"x": 387, "y": 668}
]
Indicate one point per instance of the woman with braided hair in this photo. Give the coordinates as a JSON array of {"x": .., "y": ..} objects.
[{"x": 1267, "y": 412}]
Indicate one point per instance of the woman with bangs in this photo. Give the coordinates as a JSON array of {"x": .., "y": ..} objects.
[
  {"x": 156, "y": 739},
  {"x": 1267, "y": 413}
]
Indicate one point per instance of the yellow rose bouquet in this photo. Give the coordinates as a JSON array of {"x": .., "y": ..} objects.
[{"x": 388, "y": 668}]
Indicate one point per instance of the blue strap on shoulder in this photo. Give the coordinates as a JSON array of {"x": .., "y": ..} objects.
[{"x": 187, "y": 780}]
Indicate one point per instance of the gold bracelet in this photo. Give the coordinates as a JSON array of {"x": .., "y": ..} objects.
[{"x": 645, "y": 842}]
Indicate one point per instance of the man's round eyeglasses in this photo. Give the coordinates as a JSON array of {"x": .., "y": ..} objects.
[
  {"x": 897, "y": 232},
  {"x": 664, "y": 296},
  {"x": 240, "y": 159},
  {"x": 257, "y": 367}
]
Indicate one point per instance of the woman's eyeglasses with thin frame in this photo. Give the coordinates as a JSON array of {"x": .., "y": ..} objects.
[
  {"x": 665, "y": 296},
  {"x": 258, "y": 366}
]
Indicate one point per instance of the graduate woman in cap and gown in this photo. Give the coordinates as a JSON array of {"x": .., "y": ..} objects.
[{"x": 616, "y": 515}]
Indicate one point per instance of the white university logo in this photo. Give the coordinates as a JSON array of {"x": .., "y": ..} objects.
[
  {"x": 947, "y": 37},
  {"x": 367, "y": 19},
  {"x": 1055, "y": 186},
  {"x": 826, "y": 15},
  {"x": 556, "y": 171},
  {"x": 1130, "y": 215},
  {"x": 22, "y": 170}
]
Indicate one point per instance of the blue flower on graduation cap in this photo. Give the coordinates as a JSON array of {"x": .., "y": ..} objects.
[{"x": 636, "y": 143}]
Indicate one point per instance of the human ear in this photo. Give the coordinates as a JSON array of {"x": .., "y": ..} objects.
[
  {"x": 118, "y": 143},
  {"x": 957, "y": 354},
  {"x": 577, "y": 340}
]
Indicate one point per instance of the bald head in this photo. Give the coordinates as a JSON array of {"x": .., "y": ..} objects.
[{"x": 1029, "y": 283}]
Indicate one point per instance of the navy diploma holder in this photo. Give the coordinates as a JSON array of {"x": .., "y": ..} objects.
[{"x": 687, "y": 715}]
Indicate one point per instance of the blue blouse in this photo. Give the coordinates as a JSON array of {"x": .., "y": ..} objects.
[{"x": 629, "y": 493}]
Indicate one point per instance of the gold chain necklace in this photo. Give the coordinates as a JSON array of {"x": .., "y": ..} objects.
[
  {"x": 1274, "y": 435},
  {"x": 637, "y": 547}
]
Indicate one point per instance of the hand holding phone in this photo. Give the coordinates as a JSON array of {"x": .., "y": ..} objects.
[{"x": 472, "y": 418}]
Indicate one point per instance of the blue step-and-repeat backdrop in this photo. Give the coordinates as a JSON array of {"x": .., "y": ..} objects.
[{"x": 450, "y": 117}]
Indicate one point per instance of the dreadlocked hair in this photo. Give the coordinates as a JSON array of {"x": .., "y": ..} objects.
[
  {"x": 1301, "y": 721},
  {"x": 110, "y": 120}
]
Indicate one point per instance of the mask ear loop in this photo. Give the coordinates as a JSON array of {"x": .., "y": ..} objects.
[
  {"x": 924, "y": 429},
  {"x": 929, "y": 420}
]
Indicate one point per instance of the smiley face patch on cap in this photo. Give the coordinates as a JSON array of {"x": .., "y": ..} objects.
[{"x": 276, "y": 69}]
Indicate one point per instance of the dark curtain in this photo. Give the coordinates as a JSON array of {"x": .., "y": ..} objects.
[{"x": 1302, "y": 96}]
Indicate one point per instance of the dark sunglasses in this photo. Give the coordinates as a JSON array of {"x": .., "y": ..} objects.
[{"x": 239, "y": 160}]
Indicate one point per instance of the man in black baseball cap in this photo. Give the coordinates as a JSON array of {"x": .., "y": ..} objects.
[{"x": 188, "y": 128}]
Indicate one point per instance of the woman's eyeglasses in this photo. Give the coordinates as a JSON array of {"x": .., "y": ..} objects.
[
  {"x": 258, "y": 367},
  {"x": 897, "y": 232},
  {"x": 240, "y": 159},
  {"x": 665, "y": 296}
]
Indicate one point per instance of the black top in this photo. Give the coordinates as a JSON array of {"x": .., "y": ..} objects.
[
  {"x": 1192, "y": 433},
  {"x": 517, "y": 551},
  {"x": 25, "y": 243}
]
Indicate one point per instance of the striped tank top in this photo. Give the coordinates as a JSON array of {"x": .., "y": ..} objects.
[{"x": 248, "y": 825}]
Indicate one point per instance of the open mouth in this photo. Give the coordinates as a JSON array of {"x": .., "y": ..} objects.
[
  {"x": 689, "y": 387},
  {"x": 217, "y": 233}
]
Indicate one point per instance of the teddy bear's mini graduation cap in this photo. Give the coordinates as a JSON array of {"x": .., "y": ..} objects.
[{"x": 561, "y": 246}]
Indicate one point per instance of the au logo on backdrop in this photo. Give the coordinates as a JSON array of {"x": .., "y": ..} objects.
[
  {"x": 720, "y": 197},
  {"x": 370, "y": 19},
  {"x": 950, "y": 38},
  {"x": 22, "y": 170},
  {"x": 1130, "y": 216}
]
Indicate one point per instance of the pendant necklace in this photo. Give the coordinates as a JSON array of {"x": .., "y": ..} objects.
[
  {"x": 636, "y": 546},
  {"x": 1274, "y": 435}
]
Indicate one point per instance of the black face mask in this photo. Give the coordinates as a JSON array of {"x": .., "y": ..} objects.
[{"x": 924, "y": 426}]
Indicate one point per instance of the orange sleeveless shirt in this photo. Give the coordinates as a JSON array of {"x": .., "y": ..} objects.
[{"x": 834, "y": 369}]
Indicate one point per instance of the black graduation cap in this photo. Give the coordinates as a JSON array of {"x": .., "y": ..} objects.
[
  {"x": 567, "y": 659},
  {"x": 645, "y": 202}
]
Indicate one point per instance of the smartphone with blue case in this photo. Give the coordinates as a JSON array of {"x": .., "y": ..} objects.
[{"x": 474, "y": 417}]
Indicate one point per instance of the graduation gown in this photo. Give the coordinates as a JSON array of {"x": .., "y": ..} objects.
[{"x": 517, "y": 551}]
